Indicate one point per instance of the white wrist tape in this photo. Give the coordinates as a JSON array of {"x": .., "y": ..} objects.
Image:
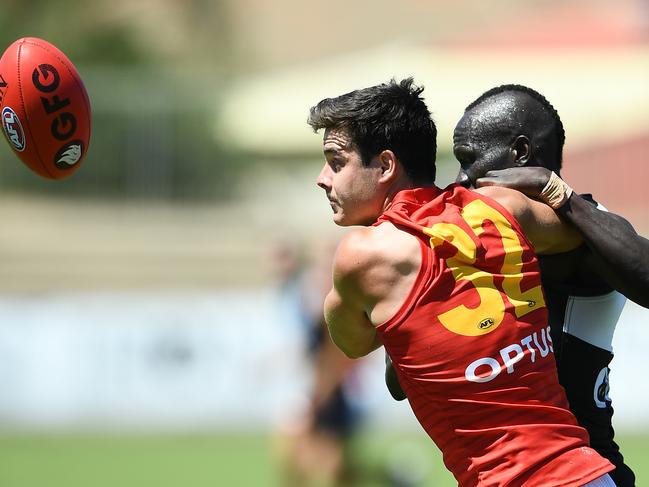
[{"x": 556, "y": 192}]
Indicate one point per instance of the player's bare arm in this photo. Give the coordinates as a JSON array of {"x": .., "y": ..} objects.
[
  {"x": 374, "y": 270},
  {"x": 347, "y": 304},
  {"x": 622, "y": 255},
  {"x": 547, "y": 232}
]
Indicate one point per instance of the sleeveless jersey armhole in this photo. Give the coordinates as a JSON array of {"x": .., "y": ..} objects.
[{"x": 423, "y": 276}]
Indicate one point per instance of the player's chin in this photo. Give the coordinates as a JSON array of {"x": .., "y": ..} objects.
[
  {"x": 341, "y": 219},
  {"x": 338, "y": 220}
]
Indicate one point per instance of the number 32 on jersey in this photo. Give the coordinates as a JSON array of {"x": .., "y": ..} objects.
[{"x": 489, "y": 313}]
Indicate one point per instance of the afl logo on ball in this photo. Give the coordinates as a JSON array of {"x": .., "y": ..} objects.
[
  {"x": 69, "y": 154},
  {"x": 13, "y": 129}
]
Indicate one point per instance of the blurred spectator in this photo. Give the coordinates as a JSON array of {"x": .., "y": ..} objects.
[{"x": 313, "y": 447}]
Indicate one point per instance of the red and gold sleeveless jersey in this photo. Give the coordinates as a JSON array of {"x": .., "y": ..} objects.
[{"x": 472, "y": 348}]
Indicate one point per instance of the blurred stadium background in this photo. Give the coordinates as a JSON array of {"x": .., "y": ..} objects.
[{"x": 142, "y": 338}]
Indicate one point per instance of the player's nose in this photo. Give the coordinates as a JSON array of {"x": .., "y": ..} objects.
[{"x": 324, "y": 178}]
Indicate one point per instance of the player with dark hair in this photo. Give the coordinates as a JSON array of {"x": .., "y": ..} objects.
[
  {"x": 513, "y": 126},
  {"x": 373, "y": 126},
  {"x": 448, "y": 282}
]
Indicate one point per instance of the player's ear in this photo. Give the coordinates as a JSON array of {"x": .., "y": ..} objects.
[
  {"x": 521, "y": 151},
  {"x": 388, "y": 164}
]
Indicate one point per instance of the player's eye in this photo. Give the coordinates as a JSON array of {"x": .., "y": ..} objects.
[{"x": 336, "y": 165}]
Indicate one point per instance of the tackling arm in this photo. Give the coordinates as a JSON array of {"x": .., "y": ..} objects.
[
  {"x": 623, "y": 255},
  {"x": 547, "y": 232}
]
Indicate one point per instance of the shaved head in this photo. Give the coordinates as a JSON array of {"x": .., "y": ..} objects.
[
  {"x": 508, "y": 126},
  {"x": 506, "y": 112}
]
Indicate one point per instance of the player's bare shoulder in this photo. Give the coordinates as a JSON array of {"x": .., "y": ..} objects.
[
  {"x": 541, "y": 224},
  {"x": 373, "y": 249},
  {"x": 381, "y": 263},
  {"x": 512, "y": 200}
]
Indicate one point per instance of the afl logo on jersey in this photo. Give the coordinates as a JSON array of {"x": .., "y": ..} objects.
[
  {"x": 13, "y": 129},
  {"x": 486, "y": 323}
]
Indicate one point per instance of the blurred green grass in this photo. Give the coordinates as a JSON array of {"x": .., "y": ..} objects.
[{"x": 217, "y": 460}]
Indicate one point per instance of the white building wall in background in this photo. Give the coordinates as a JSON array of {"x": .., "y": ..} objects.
[{"x": 200, "y": 361}]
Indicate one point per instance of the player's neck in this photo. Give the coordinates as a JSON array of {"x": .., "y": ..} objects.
[{"x": 403, "y": 182}]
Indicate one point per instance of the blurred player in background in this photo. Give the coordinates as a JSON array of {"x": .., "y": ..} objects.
[
  {"x": 314, "y": 447},
  {"x": 450, "y": 285}
]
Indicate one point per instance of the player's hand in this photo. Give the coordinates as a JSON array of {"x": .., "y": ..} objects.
[{"x": 527, "y": 180}]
